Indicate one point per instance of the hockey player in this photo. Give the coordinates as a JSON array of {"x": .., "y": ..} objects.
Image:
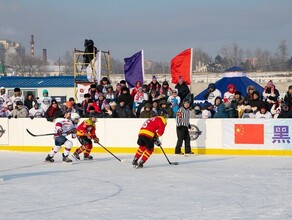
[
  {"x": 86, "y": 132},
  {"x": 62, "y": 129},
  {"x": 149, "y": 135}
]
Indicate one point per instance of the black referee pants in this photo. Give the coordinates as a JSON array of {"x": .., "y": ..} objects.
[{"x": 183, "y": 135}]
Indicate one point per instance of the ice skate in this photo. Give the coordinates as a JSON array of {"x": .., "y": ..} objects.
[
  {"x": 66, "y": 159},
  {"x": 89, "y": 157},
  {"x": 135, "y": 162},
  {"x": 49, "y": 159},
  {"x": 140, "y": 165},
  {"x": 75, "y": 155}
]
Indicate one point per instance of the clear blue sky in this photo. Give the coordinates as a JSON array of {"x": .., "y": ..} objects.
[{"x": 163, "y": 28}]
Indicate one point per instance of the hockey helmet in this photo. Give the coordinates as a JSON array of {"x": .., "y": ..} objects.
[
  {"x": 75, "y": 117},
  {"x": 93, "y": 117}
]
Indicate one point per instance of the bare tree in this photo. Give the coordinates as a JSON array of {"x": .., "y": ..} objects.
[{"x": 283, "y": 54}]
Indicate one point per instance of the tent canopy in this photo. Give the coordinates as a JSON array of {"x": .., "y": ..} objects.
[{"x": 236, "y": 76}]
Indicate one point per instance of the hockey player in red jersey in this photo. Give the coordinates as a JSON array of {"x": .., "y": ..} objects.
[
  {"x": 62, "y": 129},
  {"x": 86, "y": 132},
  {"x": 149, "y": 135}
]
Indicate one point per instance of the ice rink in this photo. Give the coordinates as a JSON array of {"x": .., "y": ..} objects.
[{"x": 201, "y": 187}]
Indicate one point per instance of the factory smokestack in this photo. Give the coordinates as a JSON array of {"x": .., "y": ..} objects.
[
  {"x": 45, "y": 55},
  {"x": 32, "y": 46}
]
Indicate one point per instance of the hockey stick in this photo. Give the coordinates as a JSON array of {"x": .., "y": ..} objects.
[
  {"x": 109, "y": 152},
  {"x": 171, "y": 163},
  {"x": 39, "y": 135}
]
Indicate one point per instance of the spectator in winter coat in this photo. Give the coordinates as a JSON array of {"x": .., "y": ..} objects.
[
  {"x": 165, "y": 90},
  {"x": 113, "y": 107},
  {"x": 138, "y": 99},
  {"x": 93, "y": 92},
  {"x": 94, "y": 105},
  {"x": 45, "y": 100},
  {"x": 124, "y": 110},
  {"x": 53, "y": 111},
  {"x": 229, "y": 94},
  {"x": 138, "y": 84},
  {"x": 17, "y": 96},
  {"x": 20, "y": 111},
  {"x": 147, "y": 111},
  {"x": 249, "y": 94},
  {"x": 196, "y": 112},
  {"x": 234, "y": 105},
  {"x": 270, "y": 94},
  {"x": 4, "y": 98},
  {"x": 288, "y": 97},
  {"x": 174, "y": 101},
  {"x": 8, "y": 111},
  {"x": 221, "y": 112},
  {"x": 118, "y": 90},
  {"x": 212, "y": 93},
  {"x": 263, "y": 113},
  {"x": 285, "y": 112},
  {"x": 164, "y": 106},
  {"x": 29, "y": 101},
  {"x": 182, "y": 89},
  {"x": 36, "y": 111},
  {"x": 256, "y": 102},
  {"x": 154, "y": 85},
  {"x": 102, "y": 85},
  {"x": 126, "y": 97},
  {"x": 109, "y": 94}
]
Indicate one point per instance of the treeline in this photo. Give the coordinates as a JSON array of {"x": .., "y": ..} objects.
[{"x": 251, "y": 60}]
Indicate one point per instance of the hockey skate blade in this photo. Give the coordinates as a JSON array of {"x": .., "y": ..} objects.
[{"x": 174, "y": 163}]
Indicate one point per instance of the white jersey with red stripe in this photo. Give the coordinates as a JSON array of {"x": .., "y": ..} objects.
[{"x": 67, "y": 126}]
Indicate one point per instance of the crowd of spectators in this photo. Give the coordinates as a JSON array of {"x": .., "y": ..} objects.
[{"x": 146, "y": 100}]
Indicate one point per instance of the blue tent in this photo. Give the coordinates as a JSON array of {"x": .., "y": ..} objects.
[{"x": 236, "y": 76}]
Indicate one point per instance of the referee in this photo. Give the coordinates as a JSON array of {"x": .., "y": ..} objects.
[{"x": 182, "y": 128}]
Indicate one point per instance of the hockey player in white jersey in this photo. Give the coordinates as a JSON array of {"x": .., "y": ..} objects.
[{"x": 63, "y": 128}]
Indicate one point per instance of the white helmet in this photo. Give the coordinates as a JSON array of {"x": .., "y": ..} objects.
[{"x": 75, "y": 117}]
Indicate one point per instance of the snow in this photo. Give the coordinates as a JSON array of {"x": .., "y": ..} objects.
[{"x": 201, "y": 187}]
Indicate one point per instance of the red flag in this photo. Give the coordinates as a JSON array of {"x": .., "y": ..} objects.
[
  {"x": 249, "y": 134},
  {"x": 181, "y": 66}
]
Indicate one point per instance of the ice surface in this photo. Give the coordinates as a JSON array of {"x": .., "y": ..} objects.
[{"x": 201, "y": 187}]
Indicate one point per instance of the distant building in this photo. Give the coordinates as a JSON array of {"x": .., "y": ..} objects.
[{"x": 8, "y": 46}]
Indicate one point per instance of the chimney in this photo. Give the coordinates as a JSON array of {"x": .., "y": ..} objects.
[
  {"x": 45, "y": 55},
  {"x": 32, "y": 46}
]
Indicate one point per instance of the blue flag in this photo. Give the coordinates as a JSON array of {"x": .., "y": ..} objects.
[{"x": 134, "y": 69}]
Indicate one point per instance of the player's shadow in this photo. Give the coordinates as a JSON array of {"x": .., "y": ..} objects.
[
  {"x": 190, "y": 161},
  {"x": 32, "y": 174}
]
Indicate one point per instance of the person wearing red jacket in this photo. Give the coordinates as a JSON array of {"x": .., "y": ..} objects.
[
  {"x": 149, "y": 135},
  {"x": 85, "y": 135}
]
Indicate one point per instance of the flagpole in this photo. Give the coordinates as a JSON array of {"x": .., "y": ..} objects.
[
  {"x": 191, "y": 70},
  {"x": 142, "y": 52}
]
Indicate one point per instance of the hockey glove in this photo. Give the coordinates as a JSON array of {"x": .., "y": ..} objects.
[
  {"x": 96, "y": 140},
  {"x": 60, "y": 132},
  {"x": 157, "y": 142}
]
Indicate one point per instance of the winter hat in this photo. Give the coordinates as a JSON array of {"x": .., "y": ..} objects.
[
  {"x": 237, "y": 93},
  {"x": 270, "y": 83},
  {"x": 154, "y": 77},
  {"x": 2, "y": 88},
  {"x": 187, "y": 101},
  {"x": 45, "y": 91},
  {"x": 165, "y": 83},
  {"x": 148, "y": 105},
  {"x": 290, "y": 87},
  {"x": 54, "y": 101},
  {"x": 92, "y": 86},
  {"x": 123, "y": 81},
  {"x": 175, "y": 91},
  {"x": 212, "y": 86},
  {"x": 86, "y": 95},
  {"x": 113, "y": 103}
]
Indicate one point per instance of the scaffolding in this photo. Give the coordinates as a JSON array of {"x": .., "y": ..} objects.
[{"x": 82, "y": 68}]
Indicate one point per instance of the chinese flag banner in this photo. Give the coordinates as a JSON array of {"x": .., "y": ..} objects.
[
  {"x": 181, "y": 66},
  {"x": 248, "y": 133}
]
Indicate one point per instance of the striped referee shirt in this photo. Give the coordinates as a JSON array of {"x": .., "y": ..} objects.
[{"x": 183, "y": 117}]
